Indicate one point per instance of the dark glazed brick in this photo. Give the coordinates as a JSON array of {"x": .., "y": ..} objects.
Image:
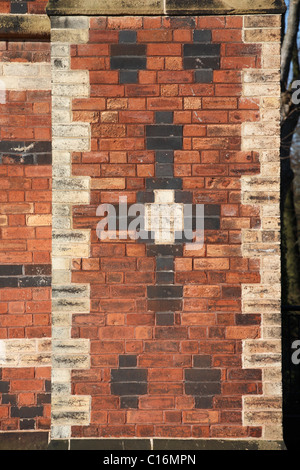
[
  {"x": 26, "y": 412},
  {"x": 163, "y": 277},
  {"x": 248, "y": 319},
  {"x": 129, "y": 375},
  {"x": 37, "y": 269},
  {"x": 216, "y": 444},
  {"x": 201, "y": 63},
  {"x": 164, "y": 183},
  {"x": 4, "y": 387},
  {"x": 204, "y": 403},
  {"x": 35, "y": 281},
  {"x": 202, "y": 35},
  {"x": 44, "y": 159},
  {"x": 183, "y": 197},
  {"x": 167, "y": 143},
  {"x": 48, "y": 386},
  {"x": 164, "y": 117},
  {"x": 165, "y": 292},
  {"x": 9, "y": 399},
  {"x": 212, "y": 209},
  {"x": 165, "y": 264},
  {"x": 58, "y": 445},
  {"x": 128, "y": 63},
  {"x": 202, "y": 361},
  {"x": 18, "y": 7},
  {"x": 181, "y": 22},
  {"x": 129, "y": 76},
  {"x": 164, "y": 131},
  {"x": 164, "y": 250},
  {"x": 164, "y": 169},
  {"x": 211, "y": 224},
  {"x": 129, "y": 402},
  {"x": 11, "y": 270},
  {"x": 204, "y": 76},
  {"x": 165, "y": 305},
  {"x": 27, "y": 424},
  {"x": 166, "y": 156},
  {"x": 165, "y": 319},
  {"x": 127, "y": 361},
  {"x": 9, "y": 282},
  {"x": 43, "y": 398},
  {"x": 132, "y": 50},
  {"x": 202, "y": 375},
  {"x": 201, "y": 50},
  {"x": 129, "y": 388},
  {"x": 202, "y": 389},
  {"x": 145, "y": 196},
  {"x": 127, "y": 36}
]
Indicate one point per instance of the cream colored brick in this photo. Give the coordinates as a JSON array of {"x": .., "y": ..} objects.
[
  {"x": 42, "y": 220},
  {"x": 261, "y": 89},
  {"x": 72, "y": 36}
]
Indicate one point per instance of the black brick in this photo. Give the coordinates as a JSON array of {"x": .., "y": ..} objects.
[
  {"x": 164, "y": 250},
  {"x": 145, "y": 196},
  {"x": 166, "y": 156},
  {"x": 201, "y": 63},
  {"x": 165, "y": 264},
  {"x": 11, "y": 270},
  {"x": 35, "y": 281},
  {"x": 129, "y": 76},
  {"x": 129, "y": 402},
  {"x": 8, "y": 282},
  {"x": 164, "y": 169},
  {"x": 202, "y": 389},
  {"x": 43, "y": 398},
  {"x": 18, "y": 7},
  {"x": 128, "y": 50},
  {"x": 163, "y": 305},
  {"x": 164, "y": 131},
  {"x": 204, "y": 76},
  {"x": 4, "y": 387},
  {"x": 163, "y": 183},
  {"x": 163, "y": 277},
  {"x": 40, "y": 147},
  {"x": 9, "y": 399},
  {"x": 211, "y": 224},
  {"x": 164, "y": 117},
  {"x": 128, "y": 63},
  {"x": 26, "y": 412},
  {"x": 127, "y": 361},
  {"x": 202, "y": 35},
  {"x": 212, "y": 209},
  {"x": 48, "y": 386},
  {"x": 165, "y": 292},
  {"x": 204, "y": 403},
  {"x": 129, "y": 388},
  {"x": 202, "y": 361},
  {"x": 202, "y": 375},
  {"x": 201, "y": 50},
  {"x": 167, "y": 143},
  {"x": 43, "y": 159},
  {"x": 165, "y": 319},
  {"x": 127, "y": 36},
  {"x": 129, "y": 375},
  {"x": 37, "y": 269},
  {"x": 183, "y": 197},
  {"x": 26, "y": 424}
]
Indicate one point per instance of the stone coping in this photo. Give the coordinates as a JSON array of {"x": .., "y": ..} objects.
[
  {"x": 164, "y": 7},
  {"x": 24, "y": 27}
]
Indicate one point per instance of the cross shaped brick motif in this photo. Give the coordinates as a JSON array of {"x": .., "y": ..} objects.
[{"x": 164, "y": 201}]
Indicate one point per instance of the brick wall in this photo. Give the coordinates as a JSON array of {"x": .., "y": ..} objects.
[
  {"x": 171, "y": 110},
  {"x": 16, "y": 7},
  {"x": 25, "y": 245}
]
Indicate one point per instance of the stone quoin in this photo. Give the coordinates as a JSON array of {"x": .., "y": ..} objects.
[{"x": 147, "y": 344}]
